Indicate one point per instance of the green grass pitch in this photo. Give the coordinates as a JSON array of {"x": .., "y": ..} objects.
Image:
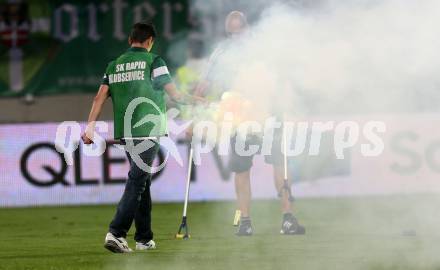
[{"x": 398, "y": 232}]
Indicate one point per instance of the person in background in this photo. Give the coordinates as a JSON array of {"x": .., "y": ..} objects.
[{"x": 236, "y": 26}]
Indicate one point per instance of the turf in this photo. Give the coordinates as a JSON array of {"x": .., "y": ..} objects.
[{"x": 357, "y": 233}]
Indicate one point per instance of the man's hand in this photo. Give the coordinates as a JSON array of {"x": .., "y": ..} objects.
[
  {"x": 182, "y": 98},
  {"x": 200, "y": 100},
  {"x": 86, "y": 139},
  {"x": 98, "y": 102},
  {"x": 189, "y": 133}
]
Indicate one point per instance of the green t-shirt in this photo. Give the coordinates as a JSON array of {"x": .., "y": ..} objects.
[{"x": 136, "y": 80}]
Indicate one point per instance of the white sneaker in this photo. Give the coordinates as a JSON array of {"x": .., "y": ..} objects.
[
  {"x": 145, "y": 246},
  {"x": 116, "y": 245}
]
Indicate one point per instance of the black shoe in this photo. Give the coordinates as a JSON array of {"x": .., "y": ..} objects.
[
  {"x": 290, "y": 226},
  {"x": 245, "y": 227}
]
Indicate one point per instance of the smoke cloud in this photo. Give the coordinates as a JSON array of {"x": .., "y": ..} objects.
[{"x": 338, "y": 57}]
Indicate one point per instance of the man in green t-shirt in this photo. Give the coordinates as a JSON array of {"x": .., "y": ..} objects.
[{"x": 137, "y": 82}]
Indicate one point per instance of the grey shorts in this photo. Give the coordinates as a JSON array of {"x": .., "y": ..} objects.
[{"x": 238, "y": 163}]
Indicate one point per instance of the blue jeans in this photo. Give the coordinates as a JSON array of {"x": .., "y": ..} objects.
[{"x": 135, "y": 203}]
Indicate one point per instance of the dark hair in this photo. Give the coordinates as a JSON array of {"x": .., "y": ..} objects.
[{"x": 142, "y": 31}]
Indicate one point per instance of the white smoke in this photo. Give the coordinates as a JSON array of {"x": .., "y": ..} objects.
[{"x": 342, "y": 56}]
